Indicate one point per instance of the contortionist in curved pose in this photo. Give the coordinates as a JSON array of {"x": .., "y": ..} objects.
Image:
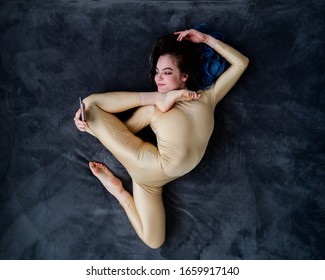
[{"x": 175, "y": 113}]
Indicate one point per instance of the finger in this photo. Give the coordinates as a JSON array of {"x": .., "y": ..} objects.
[
  {"x": 190, "y": 95},
  {"x": 80, "y": 123},
  {"x": 179, "y": 32},
  {"x": 77, "y": 115},
  {"x": 194, "y": 95},
  {"x": 182, "y": 35},
  {"x": 82, "y": 127},
  {"x": 179, "y": 37}
]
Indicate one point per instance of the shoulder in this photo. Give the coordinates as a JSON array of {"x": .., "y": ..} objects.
[{"x": 207, "y": 95}]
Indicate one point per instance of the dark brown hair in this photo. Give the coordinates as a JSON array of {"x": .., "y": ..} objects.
[{"x": 185, "y": 54}]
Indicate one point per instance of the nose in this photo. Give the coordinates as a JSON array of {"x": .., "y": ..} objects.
[{"x": 159, "y": 77}]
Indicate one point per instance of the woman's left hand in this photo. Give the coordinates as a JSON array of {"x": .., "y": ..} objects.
[
  {"x": 192, "y": 35},
  {"x": 81, "y": 125}
]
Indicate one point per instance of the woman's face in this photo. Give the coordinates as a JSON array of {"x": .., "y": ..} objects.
[{"x": 168, "y": 76}]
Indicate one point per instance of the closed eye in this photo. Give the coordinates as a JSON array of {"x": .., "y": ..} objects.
[{"x": 165, "y": 71}]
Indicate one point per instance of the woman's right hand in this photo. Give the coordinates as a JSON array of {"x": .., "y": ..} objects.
[{"x": 81, "y": 125}]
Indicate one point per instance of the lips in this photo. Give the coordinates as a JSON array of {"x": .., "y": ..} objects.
[{"x": 161, "y": 85}]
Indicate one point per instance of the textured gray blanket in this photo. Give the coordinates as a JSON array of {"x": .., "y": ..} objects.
[{"x": 258, "y": 192}]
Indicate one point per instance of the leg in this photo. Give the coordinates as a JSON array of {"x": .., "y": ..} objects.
[
  {"x": 141, "y": 159},
  {"x": 145, "y": 211},
  {"x": 113, "y": 102},
  {"x": 109, "y": 181},
  {"x": 138, "y": 157}
]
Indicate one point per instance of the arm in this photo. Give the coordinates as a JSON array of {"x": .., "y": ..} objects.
[{"x": 238, "y": 64}]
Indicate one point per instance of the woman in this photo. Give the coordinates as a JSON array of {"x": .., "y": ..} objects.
[{"x": 182, "y": 120}]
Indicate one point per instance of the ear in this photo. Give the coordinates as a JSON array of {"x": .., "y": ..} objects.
[{"x": 184, "y": 77}]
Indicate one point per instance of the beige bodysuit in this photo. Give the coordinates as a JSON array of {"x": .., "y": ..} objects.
[{"x": 182, "y": 135}]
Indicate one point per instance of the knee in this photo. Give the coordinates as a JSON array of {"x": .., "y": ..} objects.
[
  {"x": 155, "y": 237},
  {"x": 90, "y": 100},
  {"x": 90, "y": 107},
  {"x": 155, "y": 244}
]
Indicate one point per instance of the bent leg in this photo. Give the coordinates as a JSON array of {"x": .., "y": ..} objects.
[
  {"x": 146, "y": 213},
  {"x": 111, "y": 102},
  {"x": 140, "y": 158}
]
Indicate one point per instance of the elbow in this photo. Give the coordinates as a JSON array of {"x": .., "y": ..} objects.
[{"x": 245, "y": 62}]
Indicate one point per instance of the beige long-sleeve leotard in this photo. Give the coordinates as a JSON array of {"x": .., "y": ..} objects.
[{"x": 182, "y": 135}]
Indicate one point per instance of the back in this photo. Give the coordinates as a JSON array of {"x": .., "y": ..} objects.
[{"x": 184, "y": 131}]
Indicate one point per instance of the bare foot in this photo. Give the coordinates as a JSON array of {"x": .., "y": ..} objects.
[
  {"x": 107, "y": 178},
  {"x": 170, "y": 98}
]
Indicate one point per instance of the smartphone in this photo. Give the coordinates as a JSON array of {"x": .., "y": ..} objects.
[{"x": 83, "y": 118}]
